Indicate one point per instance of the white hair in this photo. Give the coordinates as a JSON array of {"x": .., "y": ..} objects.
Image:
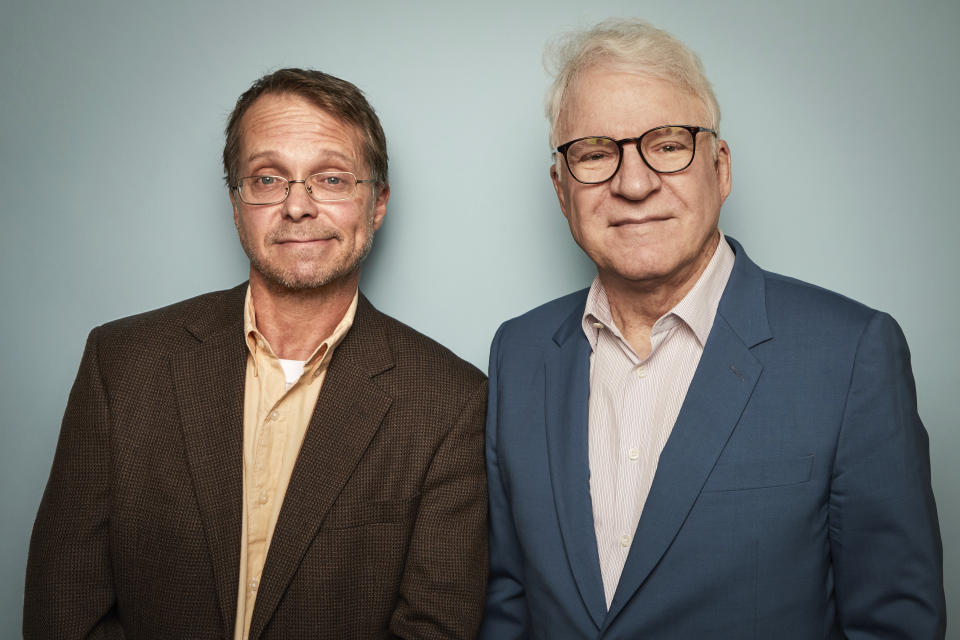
[{"x": 625, "y": 45}]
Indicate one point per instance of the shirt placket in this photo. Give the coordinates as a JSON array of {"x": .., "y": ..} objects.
[{"x": 267, "y": 460}]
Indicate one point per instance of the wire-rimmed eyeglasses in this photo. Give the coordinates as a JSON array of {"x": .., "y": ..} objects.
[
  {"x": 325, "y": 186},
  {"x": 666, "y": 149}
]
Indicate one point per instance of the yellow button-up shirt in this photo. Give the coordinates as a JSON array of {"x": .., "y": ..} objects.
[{"x": 275, "y": 418}]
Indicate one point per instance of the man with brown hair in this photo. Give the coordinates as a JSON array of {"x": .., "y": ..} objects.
[{"x": 279, "y": 460}]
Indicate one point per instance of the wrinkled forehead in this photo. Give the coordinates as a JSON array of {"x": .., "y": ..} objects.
[
  {"x": 291, "y": 122},
  {"x": 607, "y": 91}
]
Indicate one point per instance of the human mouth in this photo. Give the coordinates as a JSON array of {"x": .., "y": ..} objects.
[
  {"x": 305, "y": 240},
  {"x": 629, "y": 222}
]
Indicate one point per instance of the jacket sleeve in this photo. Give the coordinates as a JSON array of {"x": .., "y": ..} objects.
[
  {"x": 69, "y": 587},
  {"x": 884, "y": 535},
  {"x": 441, "y": 592},
  {"x": 506, "y": 614}
]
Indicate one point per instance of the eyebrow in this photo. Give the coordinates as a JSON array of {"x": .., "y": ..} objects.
[{"x": 326, "y": 156}]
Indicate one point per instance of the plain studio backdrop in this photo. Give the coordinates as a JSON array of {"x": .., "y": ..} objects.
[{"x": 842, "y": 118}]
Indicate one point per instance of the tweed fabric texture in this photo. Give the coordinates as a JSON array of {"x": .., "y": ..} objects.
[{"x": 382, "y": 532}]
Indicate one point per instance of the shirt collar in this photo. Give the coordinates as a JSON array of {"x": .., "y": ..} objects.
[
  {"x": 596, "y": 314},
  {"x": 697, "y": 309},
  {"x": 258, "y": 346}
]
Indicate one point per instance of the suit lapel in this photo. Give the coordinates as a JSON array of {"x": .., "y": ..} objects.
[
  {"x": 718, "y": 394},
  {"x": 208, "y": 382},
  {"x": 348, "y": 413},
  {"x": 567, "y": 380}
]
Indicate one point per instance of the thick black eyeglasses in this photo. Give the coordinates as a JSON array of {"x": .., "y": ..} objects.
[{"x": 666, "y": 149}]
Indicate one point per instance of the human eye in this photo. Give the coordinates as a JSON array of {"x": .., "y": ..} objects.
[
  {"x": 595, "y": 155},
  {"x": 261, "y": 189},
  {"x": 593, "y": 151},
  {"x": 332, "y": 185},
  {"x": 263, "y": 183},
  {"x": 670, "y": 147},
  {"x": 668, "y": 141}
]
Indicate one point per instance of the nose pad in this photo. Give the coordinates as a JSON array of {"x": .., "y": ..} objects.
[
  {"x": 638, "y": 156},
  {"x": 297, "y": 206}
]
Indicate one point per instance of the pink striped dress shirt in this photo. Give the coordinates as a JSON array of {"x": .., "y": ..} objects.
[{"x": 634, "y": 404}]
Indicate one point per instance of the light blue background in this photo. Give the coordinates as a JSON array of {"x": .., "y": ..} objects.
[{"x": 843, "y": 119}]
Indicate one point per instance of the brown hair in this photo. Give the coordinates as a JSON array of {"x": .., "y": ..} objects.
[{"x": 337, "y": 97}]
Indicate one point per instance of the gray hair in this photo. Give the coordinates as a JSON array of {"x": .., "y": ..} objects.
[{"x": 625, "y": 45}]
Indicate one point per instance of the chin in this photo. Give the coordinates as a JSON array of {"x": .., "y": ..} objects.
[
  {"x": 304, "y": 276},
  {"x": 641, "y": 263},
  {"x": 642, "y": 277}
]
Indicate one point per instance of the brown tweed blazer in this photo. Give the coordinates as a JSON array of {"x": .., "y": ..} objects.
[{"x": 382, "y": 532}]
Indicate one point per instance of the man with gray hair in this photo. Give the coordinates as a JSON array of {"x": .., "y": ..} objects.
[{"x": 694, "y": 447}]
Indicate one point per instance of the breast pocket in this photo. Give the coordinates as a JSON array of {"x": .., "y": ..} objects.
[{"x": 759, "y": 474}]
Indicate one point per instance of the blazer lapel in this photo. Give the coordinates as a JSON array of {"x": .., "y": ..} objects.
[
  {"x": 348, "y": 413},
  {"x": 567, "y": 380},
  {"x": 208, "y": 382},
  {"x": 718, "y": 394}
]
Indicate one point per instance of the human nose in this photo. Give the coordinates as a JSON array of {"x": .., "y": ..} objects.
[
  {"x": 634, "y": 180},
  {"x": 299, "y": 204}
]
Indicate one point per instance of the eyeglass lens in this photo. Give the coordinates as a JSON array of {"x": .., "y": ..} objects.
[
  {"x": 665, "y": 150},
  {"x": 320, "y": 186}
]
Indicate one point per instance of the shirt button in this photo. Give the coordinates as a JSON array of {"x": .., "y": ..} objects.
[
  {"x": 598, "y": 325},
  {"x": 641, "y": 371},
  {"x": 634, "y": 454},
  {"x": 260, "y": 343},
  {"x": 274, "y": 415},
  {"x": 254, "y": 584},
  {"x": 263, "y": 498},
  {"x": 624, "y": 541}
]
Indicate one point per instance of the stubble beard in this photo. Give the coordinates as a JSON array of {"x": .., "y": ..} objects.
[{"x": 292, "y": 281}]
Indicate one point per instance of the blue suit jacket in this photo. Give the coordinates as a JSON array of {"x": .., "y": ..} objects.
[{"x": 792, "y": 499}]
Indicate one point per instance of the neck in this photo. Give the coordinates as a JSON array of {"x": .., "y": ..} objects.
[
  {"x": 295, "y": 322},
  {"x": 637, "y": 305}
]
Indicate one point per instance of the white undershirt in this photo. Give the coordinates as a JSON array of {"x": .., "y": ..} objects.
[{"x": 292, "y": 370}]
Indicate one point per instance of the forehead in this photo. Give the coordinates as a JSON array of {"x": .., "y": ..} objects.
[
  {"x": 291, "y": 127},
  {"x": 620, "y": 104}
]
